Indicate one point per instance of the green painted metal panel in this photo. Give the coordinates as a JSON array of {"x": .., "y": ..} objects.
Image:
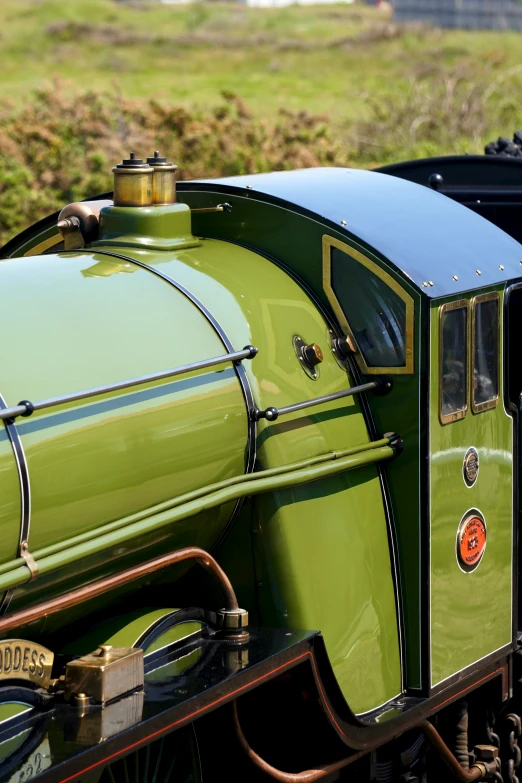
[
  {"x": 471, "y": 613},
  {"x": 296, "y": 240},
  {"x": 95, "y": 460},
  {"x": 321, "y": 550}
]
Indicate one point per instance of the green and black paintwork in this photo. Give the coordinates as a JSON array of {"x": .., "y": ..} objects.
[{"x": 361, "y": 551}]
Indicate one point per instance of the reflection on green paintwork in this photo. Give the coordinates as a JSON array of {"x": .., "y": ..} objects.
[
  {"x": 9, "y": 746},
  {"x": 470, "y": 612},
  {"x": 125, "y": 631},
  {"x": 11, "y": 709},
  {"x": 174, "y": 634},
  {"x": 38, "y": 760},
  {"x": 174, "y": 668},
  {"x": 388, "y": 715}
]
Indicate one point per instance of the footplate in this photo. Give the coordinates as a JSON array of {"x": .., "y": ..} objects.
[{"x": 58, "y": 740}]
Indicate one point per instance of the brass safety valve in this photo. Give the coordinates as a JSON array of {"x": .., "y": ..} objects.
[
  {"x": 133, "y": 183},
  {"x": 163, "y": 180}
]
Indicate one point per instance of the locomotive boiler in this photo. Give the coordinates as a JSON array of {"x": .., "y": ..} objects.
[{"x": 260, "y": 467}]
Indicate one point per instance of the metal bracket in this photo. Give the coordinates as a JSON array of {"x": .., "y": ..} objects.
[
  {"x": 226, "y": 207},
  {"x": 379, "y": 386},
  {"x": 71, "y": 232},
  {"x": 30, "y": 562}
]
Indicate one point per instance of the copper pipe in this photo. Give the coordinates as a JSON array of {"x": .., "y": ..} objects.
[
  {"x": 477, "y": 772},
  {"x": 307, "y": 776},
  {"x": 111, "y": 582}
]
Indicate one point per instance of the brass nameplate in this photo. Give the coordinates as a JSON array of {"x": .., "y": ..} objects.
[{"x": 22, "y": 660}]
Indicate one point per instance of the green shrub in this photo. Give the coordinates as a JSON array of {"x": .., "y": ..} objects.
[{"x": 60, "y": 148}]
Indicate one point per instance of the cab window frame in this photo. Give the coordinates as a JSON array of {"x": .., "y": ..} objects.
[
  {"x": 489, "y": 404},
  {"x": 459, "y": 304},
  {"x": 407, "y": 368}
]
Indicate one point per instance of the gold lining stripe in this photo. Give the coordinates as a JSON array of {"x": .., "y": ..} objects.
[
  {"x": 45, "y": 245},
  {"x": 460, "y": 304},
  {"x": 328, "y": 244},
  {"x": 483, "y": 406}
]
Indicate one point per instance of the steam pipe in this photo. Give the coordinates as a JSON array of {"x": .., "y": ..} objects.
[
  {"x": 114, "y": 534},
  {"x": 478, "y": 771},
  {"x": 87, "y": 592}
]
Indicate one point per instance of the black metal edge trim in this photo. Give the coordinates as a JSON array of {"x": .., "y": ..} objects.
[
  {"x": 472, "y": 670},
  {"x": 360, "y": 733},
  {"x": 240, "y": 371},
  {"x": 419, "y": 163},
  {"x": 512, "y": 409},
  {"x": 424, "y": 618},
  {"x": 25, "y": 491}
]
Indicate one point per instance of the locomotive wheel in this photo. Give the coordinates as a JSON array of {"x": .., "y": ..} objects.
[{"x": 171, "y": 758}]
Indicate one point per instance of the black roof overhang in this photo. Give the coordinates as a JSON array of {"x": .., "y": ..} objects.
[{"x": 421, "y": 233}]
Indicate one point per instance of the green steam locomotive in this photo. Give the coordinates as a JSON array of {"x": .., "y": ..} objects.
[{"x": 260, "y": 465}]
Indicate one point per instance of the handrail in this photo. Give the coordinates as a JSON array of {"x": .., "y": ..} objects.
[
  {"x": 113, "y": 534},
  {"x": 26, "y": 408},
  {"x": 271, "y": 413}
]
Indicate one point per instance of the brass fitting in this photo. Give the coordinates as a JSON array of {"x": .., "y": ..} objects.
[
  {"x": 79, "y": 223},
  {"x": 133, "y": 183},
  {"x": 163, "y": 180},
  {"x": 232, "y": 624}
]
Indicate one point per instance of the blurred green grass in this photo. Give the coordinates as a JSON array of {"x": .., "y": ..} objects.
[
  {"x": 227, "y": 89},
  {"x": 319, "y": 58}
]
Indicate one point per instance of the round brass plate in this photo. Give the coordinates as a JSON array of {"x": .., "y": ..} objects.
[{"x": 470, "y": 467}]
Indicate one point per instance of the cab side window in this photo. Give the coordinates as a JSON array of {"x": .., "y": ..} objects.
[
  {"x": 453, "y": 367},
  {"x": 486, "y": 352}
]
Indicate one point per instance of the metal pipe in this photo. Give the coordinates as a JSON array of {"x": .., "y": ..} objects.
[
  {"x": 20, "y": 574},
  {"x": 271, "y": 414},
  {"x": 477, "y": 772},
  {"x": 220, "y": 208},
  {"x": 26, "y": 407},
  {"x": 202, "y": 491},
  {"x": 87, "y": 592},
  {"x": 307, "y": 776}
]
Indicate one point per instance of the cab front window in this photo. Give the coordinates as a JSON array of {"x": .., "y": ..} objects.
[{"x": 371, "y": 306}]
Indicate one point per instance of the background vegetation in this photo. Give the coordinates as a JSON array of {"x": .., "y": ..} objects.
[{"x": 223, "y": 89}]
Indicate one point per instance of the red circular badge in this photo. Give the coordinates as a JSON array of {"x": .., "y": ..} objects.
[{"x": 471, "y": 541}]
